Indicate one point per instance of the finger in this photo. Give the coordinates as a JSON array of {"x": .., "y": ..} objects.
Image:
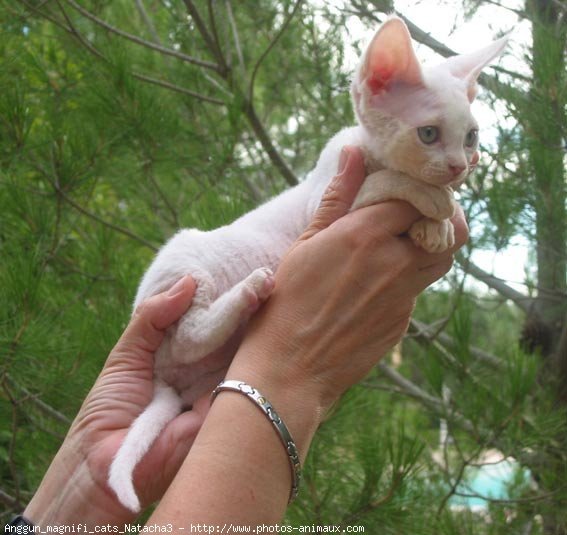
[
  {"x": 340, "y": 193},
  {"x": 461, "y": 228},
  {"x": 150, "y": 320},
  {"x": 394, "y": 218},
  {"x": 437, "y": 267}
]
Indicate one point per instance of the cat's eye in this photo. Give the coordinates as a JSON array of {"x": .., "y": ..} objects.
[
  {"x": 428, "y": 134},
  {"x": 471, "y": 138}
]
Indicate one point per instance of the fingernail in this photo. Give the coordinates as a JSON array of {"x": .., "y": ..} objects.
[
  {"x": 178, "y": 287},
  {"x": 343, "y": 160}
]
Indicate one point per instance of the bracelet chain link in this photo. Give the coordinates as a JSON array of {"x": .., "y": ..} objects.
[{"x": 283, "y": 433}]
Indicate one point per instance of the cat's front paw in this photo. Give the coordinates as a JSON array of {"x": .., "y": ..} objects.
[
  {"x": 434, "y": 202},
  {"x": 433, "y": 236}
]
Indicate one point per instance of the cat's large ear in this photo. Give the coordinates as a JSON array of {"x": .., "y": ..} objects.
[
  {"x": 390, "y": 58},
  {"x": 467, "y": 67}
]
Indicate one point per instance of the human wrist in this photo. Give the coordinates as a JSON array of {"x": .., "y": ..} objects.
[
  {"x": 70, "y": 495},
  {"x": 262, "y": 403},
  {"x": 296, "y": 398}
]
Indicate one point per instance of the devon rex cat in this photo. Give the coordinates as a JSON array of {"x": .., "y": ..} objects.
[{"x": 419, "y": 139}]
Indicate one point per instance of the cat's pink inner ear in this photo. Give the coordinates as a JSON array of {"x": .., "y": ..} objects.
[{"x": 390, "y": 58}]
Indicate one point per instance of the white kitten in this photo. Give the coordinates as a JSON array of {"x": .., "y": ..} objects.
[{"x": 419, "y": 139}]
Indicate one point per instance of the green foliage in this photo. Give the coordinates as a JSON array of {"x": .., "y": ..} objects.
[
  {"x": 363, "y": 470},
  {"x": 107, "y": 147}
]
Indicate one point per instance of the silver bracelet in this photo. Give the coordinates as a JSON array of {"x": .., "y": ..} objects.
[{"x": 283, "y": 433}]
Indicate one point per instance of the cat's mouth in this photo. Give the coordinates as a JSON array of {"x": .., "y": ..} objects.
[
  {"x": 446, "y": 180},
  {"x": 458, "y": 181},
  {"x": 461, "y": 179},
  {"x": 456, "y": 185}
]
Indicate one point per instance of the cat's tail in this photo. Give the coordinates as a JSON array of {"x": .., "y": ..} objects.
[{"x": 164, "y": 407}]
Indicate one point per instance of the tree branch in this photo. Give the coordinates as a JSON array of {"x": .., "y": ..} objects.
[
  {"x": 270, "y": 47},
  {"x": 435, "y": 404},
  {"x": 235, "y": 35},
  {"x": 147, "y": 167},
  {"x": 147, "y": 21},
  {"x": 71, "y": 29},
  {"x": 427, "y": 333},
  {"x": 524, "y": 302},
  {"x": 97, "y": 218},
  {"x": 269, "y": 147},
  {"x": 247, "y": 105},
  {"x": 410, "y": 389},
  {"x": 44, "y": 407},
  {"x": 138, "y": 40},
  {"x": 215, "y": 34},
  {"x": 139, "y": 76},
  {"x": 520, "y": 13},
  {"x": 112, "y": 226},
  {"x": 177, "y": 88},
  {"x": 10, "y": 501},
  {"x": 209, "y": 40},
  {"x": 462, "y": 367},
  {"x": 440, "y": 409}
]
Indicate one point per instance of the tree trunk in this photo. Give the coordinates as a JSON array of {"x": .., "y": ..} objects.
[{"x": 545, "y": 128}]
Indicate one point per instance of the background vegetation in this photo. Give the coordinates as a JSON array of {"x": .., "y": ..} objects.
[{"x": 121, "y": 121}]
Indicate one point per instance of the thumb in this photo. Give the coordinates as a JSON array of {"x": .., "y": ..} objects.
[
  {"x": 340, "y": 193},
  {"x": 147, "y": 327}
]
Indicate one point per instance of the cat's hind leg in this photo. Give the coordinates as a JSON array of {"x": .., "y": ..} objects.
[{"x": 209, "y": 323}]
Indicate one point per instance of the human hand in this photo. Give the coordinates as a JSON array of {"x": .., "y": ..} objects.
[
  {"x": 343, "y": 297},
  {"x": 75, "y": 488}
]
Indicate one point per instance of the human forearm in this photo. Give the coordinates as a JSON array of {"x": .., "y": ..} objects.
[{"x": 238, "y": 470}]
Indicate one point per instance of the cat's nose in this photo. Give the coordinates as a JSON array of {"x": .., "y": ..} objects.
[{"x": 456, "y": 170}]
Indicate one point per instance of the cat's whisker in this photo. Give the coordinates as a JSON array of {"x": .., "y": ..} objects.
[{"x": 434, "y": 169}]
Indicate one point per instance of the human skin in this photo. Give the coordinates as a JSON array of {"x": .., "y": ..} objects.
[{"x": 344, "y": 294}]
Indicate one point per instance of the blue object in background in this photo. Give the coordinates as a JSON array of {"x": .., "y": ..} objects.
[{"x": 490, "y": 480}]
